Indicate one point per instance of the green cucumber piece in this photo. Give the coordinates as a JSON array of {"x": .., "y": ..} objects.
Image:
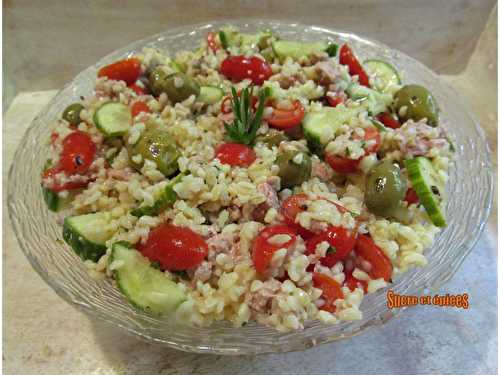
[
  {"x": 144, "y": 286},
  {"x": 166, "y": 199},
  {"x": 87, "y": 234},
  {"x": 210, "y": 94},
  {"x": 113, "y": 119},
  {"x": 54, "y": 202},
  {"x": 230, "y": 38},
  {"x": 374, "y": 101},
  {"x": 384, "y": 73},
  {"x": 285, "y": 48},
  {"x": 430, "y": 191},
  {"x": 315, "y": 123}
]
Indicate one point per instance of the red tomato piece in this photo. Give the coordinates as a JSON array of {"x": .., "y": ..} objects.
[
  {"x": 411, "y": 196},
  {"x": 238, "y": 68},
  {"x": 58, "y": 187},
  {"x": 263, "y": 250},
  {"x": 389, "y": 120},
  {"x": 287, "y": 119},
  {"x": 139, "y": 90},
  {"x": 290, "y": 208},
  {"x": 78, "y": 153},
  {"x": 381, "y": 264},
  {"x": 212, "y": 41},
  {"x": 334, "y": 100},
  {"x": 372, "y": 134},
  {"x": 346, "y": 57},
  {"x": 175, "y": 248},
  {"x": 125, "y": 70},
  {"x": 353, "y": 283},
  {"x": 235, "y": 154},
  {"x": 139, "y": 107},
  {"x": 53, "y": 137},
  {"x": 342, "y": 165},
  {"x": 332, "y": 290},
  {"x": 341, "y": 243}
]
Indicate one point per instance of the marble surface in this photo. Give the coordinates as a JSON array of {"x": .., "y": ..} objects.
[{"x": 44, "y": 335}]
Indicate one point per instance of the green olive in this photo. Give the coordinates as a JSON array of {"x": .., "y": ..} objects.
[
  {"x": 294, "y": 169},
  {"x": 271, "y": 138},
  {"x": 419, "y": 103},
  {"x": 72, "y": 113},
  {"x": 177, "y": 86},
  {"x": 157, "y": 146},
  {"x": 385, "y": 189}
]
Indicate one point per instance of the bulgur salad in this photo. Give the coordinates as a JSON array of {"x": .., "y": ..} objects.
[{"x": 254, "y": 179}]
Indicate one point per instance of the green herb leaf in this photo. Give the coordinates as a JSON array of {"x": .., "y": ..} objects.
[
  {"x": 246, "y": 122},
  {"x": 331, "y": 250}
]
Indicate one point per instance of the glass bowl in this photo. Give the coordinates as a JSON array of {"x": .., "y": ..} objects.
[{"x": 39, "y": 231}]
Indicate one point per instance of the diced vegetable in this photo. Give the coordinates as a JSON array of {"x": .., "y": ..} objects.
[
  {"x": 166, "y": 199},
  {"x": 113, "y": 119},
  {"x": 87, "y": 234},
  {"x": 427, "y": 185},
  {"x": 374, "y": 101},
  {"x": 384, "y": 74},
  {"x": 325, "y": 120},
  {"x": 145, "y": 287},
  {"x": 210, "y": 94},
  {"x": 296, "y": 50}
]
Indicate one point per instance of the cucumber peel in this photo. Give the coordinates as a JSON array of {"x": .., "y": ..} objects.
[
  {"x": 144, "y": 286},
  {"x": 113, "y": 119},
  {"x": 385, "y": 74},
  {"x": 430, "y": 191}
]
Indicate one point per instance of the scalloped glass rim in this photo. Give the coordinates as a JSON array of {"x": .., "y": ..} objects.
[{"x": 37, "y": 229}]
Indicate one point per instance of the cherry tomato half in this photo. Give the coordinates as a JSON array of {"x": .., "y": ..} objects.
[
  {"x": 389, "y": 120},
  {"x": 287, "y": 119},
  {"x": 411, "y": 196},
  {"x": 342, "y": 165},
  {"x": 290, "y": 208},
  {"x": 235, "y": 154},
  {"x": 139, "y": 107},
  {"x": 353, "y": 283},
  {"x": 77, "y": 154},
  {"x": 381, "y": 264},
  {"x": 238, "y": 68},
  {"x": 346, "y": 57},
  {"x": 139, "y": 90},
  {"x": 372, "y": 135},
  {"x": 263, "y": 250},
  {"x": 125, "y": 70},
  {"x": 58, "y": 187},
  {"x": 341, "y": 243},
  {"x": 334, "y": 99},
  {"x": 175, "y": 248},
  {"x": 332, "y": 290}
]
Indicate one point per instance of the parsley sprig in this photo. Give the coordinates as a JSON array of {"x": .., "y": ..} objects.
[{"x": 246, "y": 122}]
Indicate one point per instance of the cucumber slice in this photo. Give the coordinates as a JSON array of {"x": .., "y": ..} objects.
[
  {"x": 327, "y": 119},
  {"x": 87, "y": 234},
  {"x": 375, "y": 102},
  {"x": 384, "y": 74},
  {"x": 430, "y": 191},
  {"x": 166, "y": 199},
  {"x": 230, "y": 38},
  {"x": 145, "y": 287},
  {"x": 296, "y": 50},
  {"x": 113, "y": 119},
  {"x": 54, "y": 201},
  {"x": 210, "y": 94}
]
